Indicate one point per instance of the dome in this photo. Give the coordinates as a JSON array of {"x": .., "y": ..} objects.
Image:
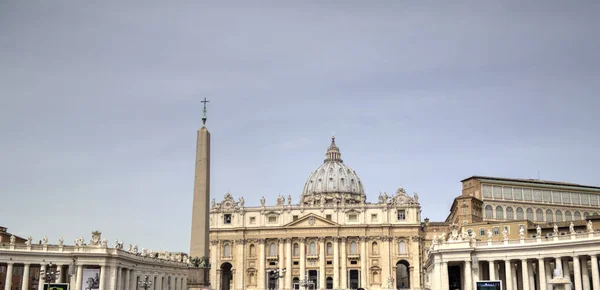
[{"x": 333, "y": 182}]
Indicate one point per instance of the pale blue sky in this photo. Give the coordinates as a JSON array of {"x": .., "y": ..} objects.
[{"x": 100, "y": 103}]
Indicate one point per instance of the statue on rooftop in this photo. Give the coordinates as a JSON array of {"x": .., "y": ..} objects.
[
  {"x": 538, "y": 231},
  {"x": 289, "y": 199},
  {"x": 489, "y": 235},
  {"x": 590, "y": 226},
  {"x": 45, "y": 239},
  {"x": 12, "y": 239},
  {"x": 61, "y": 241},
  {"x": 555, "y": 229},
  {"x": 521, "y": 232},
  {"x": 242, "y": 201},
  {"x": 28, "y": 243},
  {"x": 572, "y": 228},
  {"x": 262, "y": 201}
]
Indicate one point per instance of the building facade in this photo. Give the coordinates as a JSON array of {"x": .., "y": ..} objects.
[
  {"x": 89, "y": 266},
  {"x": 331, "y": 239}
]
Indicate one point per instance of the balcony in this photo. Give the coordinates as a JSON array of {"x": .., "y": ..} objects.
[
  {"x": 272, "y": 258},
  {"x": 354, "y": 256}
]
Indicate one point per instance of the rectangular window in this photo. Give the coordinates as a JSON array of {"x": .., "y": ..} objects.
[
  {"x": 272, "y": 263},
  {"x": 482, "y": 232},
  {"x": 556, "y": 197},
  {"x": 373, "y": 217},
  {"x": 575, "y": 198},
  {"x": 527, "y": 195},
  {"x": 518, "y": 193},
  {"x": 272, "y": 219},
  {"x": 401, "y": 215},
  {"x": 352, "y": 217},
  {"x": 295, "y": 218},
  {"x": 547, "y": 196},
  {"x": 585, "y": 199},
  {"x": 496, "y": 231},
  {"x": 487, "y": 191},
  {"x": 566, "y": 197},
  {"x": 329, "y": 262},
  {"x": 353, "y": 262},
  {"x": 295, "y": 263},
  {"x": 328, "y": 217},
  {"x": 593, "y": 199},
  {"x": 537, "y": 195},
  {"x": 507, "y": 193},
  {"x": 498, "y": 192},
  {"x": 252, "y": 220},
  {"x": 227, "y": 219}
]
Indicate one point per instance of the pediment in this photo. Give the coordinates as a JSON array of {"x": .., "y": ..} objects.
[{"x": 311, "y": 220}]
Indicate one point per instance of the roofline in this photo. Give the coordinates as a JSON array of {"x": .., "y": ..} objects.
[{"x": 533, "y": 181}]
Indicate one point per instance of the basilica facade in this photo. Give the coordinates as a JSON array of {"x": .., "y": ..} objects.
[{"x": 333, "y": 238}]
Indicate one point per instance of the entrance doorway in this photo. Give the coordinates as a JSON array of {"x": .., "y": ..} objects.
[
  {"x": 454, "y": 277},
  {"x": 272, "y": 282},
  {"x": 354, "y": 279},
  {"x": 329, "y": 283},
  {"x": 313, "y": 275},
  {"x": 402, "y": 275},
  {"x": 226, "y": 276}
]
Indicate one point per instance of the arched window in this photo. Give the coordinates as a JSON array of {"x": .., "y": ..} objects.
[
  {"x": 499, "y": 212},
  {"x": 586, "y": 215},
  {"x": 402, "y": 248},
  {"x": 329, "y": 249},
  {"x": 376, "y": 279},
  {"x": 375, "y": 248},
  {"x": 510, "y": 213},
  {"x": 312, "y": 248},
  {"x": 296, "y": 250},
  {"x": 296, "y": 282},
  {"x": 549, "y": 216},
  {"x": 558, "y": 215},
  {"x": 539, "y": 215},
  {"x": 568, "y": 216},
  {"x": 520, "y": 215},
  {"x": 272, "y": 250},
  {"x": 488, "y": 212},
  {"x": 530, "y": 214},
  {"x": 252, "y": 250},
  {"x": 353, "y": 249},
  {"x": 226, "y": 250},
  {"x": 577, "y": 216}
]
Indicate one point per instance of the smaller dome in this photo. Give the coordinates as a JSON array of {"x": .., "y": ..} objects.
[{"x": 333, "y": 182}]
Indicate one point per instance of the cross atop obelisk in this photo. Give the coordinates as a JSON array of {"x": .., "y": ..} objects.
[{"x": 204, "y": 111}]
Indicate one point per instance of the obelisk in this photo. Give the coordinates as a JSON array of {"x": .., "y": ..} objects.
[{"x": 199, "y": 244}]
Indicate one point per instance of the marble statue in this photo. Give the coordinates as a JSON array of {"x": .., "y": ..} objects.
[
  {"x": 28, "y": 243},
  {"x": 443, "y": 237},
  {"x": 96, "y": 236},
  {"x": 416, "y": 197},
  {"x": 289, "y": 199},
  {"x": 555, "y": 230},
  {"x": 380, "y": 198},
  {"x": 391, "y": 283},
  {"x": 12, "y": 239},
  {"x": 45, "y": 239},
  {"x": 538, "y": 231},
  {"x": 522, "y": 232},
  {"x": 490, "y": 235},
  {"x": 558, "y": 273},
  {"x": 435, "y": 240},
  {"x": 135, "y": 249},
  {"x": 572, "y": 228},
  {"x": 242, "y": 201},
  {"x": 105, "y": 242},
  {"x": 130, "y": 248},
  {"x": 280, "y": 200},
  {"x": 505, "y": 235},
  {"x": 590, "y": 227},
  {"x": 144, "y": 252},
  {"x": 262, "y": 201},
  {"x": 213, "y": 204},
  {"x": 61, "y": 241},
  {"x": 116, "y": 244}
]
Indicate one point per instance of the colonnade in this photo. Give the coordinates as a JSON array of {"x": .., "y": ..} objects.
[
  {"x": 526, "y": 274},
  {"x": 112, "y": 277}
]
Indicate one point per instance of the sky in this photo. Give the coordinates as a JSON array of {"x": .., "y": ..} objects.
[{"x": 100, "y": 104}]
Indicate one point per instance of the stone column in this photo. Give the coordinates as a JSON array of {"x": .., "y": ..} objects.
[
  {"x": 119, "y": 282},
  {"x": 288, "y": 263},
  {"x": 515, "y": 281},
  {"x": 531, "y": 277},
  {"x": 445, "y": 282},
  {"x": 126, "y": 281},
  {"x": 567, "y": 273},
  {"x": 468, "y": 275},
  {"x": 542, "y": 274},
  {"x": 585, "y": 276},
  {"x": 595, "y": 272},
  {"x": 59, "y": 278},
  {"x": 322, "y": 262},
  {"x": 558, "y": 264},
  {"x": 281, "y": 262},
  {"x": 114, "y": 270},
  {"x": 437, "y": 282},
  {"x": 577, "y": 273},
  {"x": 548, "y": 275},
  {"x": 385, "y": 254},
  {"x": 158, "y": 284},
  {"x": 363, "y": 263},
  {"x": 133, "y": 276},
  {"x": 9, "y": 272},
  {"x": 492, "y": 270},
  {"x": 525, "y": 272},
  {"x": 302, "y": 258},
  {"x": 343, "y": 262},
  {"x": 336, "y": 263},
  {"x": 79, "y": 277},
  {"x": 261, "y": 265},
  {"x": 239, "y": 280},
  {"x": 214, "y": 255},
  {"x": 41, "y": 281},
  {"x": 25, "y": 282},
  {"x": 102, "y": 278},
  {"x": 508, "y": 275}
]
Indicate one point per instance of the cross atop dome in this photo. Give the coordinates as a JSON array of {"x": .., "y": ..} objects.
[{"x": 333, "y": 152}]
